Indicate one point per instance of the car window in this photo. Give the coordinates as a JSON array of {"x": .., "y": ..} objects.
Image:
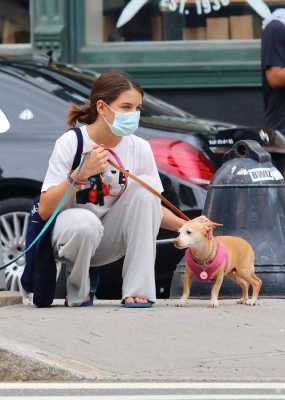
[
  {"x": 30, "y": 108},
  {"x": 153, "y": 106},
  {"x": 49, "y": 80},
  {"x": 73, "y": 85},
  {"x": 66, "y": 77}
]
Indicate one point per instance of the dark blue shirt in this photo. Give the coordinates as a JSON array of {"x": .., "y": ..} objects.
[{"x": 273, "y": 55}]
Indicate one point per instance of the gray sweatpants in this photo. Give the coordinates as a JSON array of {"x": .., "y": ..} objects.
[{"x": 128, "y": 229}]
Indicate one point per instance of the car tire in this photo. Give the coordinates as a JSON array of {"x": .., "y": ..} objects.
[
  {"x": 15, "y": 204},
  {"x": 14, "y": 214}
]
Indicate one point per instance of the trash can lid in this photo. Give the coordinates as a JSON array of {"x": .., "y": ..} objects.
[
  {"x": 247, "y": 163},
  {"x": 247, "y": 172}
]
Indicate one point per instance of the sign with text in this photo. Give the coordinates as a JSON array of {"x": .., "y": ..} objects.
[{"x": 180, "y": 6}]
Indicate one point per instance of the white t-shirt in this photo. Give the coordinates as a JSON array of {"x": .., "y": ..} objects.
[{"x": 134, "y": 152}]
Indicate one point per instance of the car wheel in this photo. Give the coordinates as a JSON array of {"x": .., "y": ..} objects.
[{"x": 14, "y": 215}]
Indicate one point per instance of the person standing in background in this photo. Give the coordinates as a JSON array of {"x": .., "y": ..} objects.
[{"x": 273, "y": 69}]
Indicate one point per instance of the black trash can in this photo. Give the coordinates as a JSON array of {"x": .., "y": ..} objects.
[{"x": 247, "y": 196}]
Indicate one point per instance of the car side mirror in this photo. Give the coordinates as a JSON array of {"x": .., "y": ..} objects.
[{"x": 4, "y": 123}]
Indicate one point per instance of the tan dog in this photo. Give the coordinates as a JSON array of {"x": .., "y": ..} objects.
[{"x": 237, "y": 263}]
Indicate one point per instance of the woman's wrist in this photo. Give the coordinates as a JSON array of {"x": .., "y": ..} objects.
[
  {"x": 72, "y": 181},
  {"x": 74, "y": 175},
  {"x": 76, "y": 180},
  {"x": 180, "y": 223}
]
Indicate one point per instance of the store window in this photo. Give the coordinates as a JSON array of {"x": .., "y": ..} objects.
[
  {"x": 161, "y": 20},
  {"x": 14, "y": 22}
]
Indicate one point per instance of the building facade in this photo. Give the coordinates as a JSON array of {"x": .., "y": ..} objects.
[{"x": 203, "y": 55}]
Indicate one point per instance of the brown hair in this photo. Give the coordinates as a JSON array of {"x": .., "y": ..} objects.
[{"x": 108, "y": 88}]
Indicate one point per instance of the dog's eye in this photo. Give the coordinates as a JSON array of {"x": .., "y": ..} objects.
[{"x": 188, "y": 232}]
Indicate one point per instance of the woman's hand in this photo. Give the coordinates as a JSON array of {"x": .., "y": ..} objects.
[
  {"x": 202, "y": 218},
  {"x": 95, "y": 163}
]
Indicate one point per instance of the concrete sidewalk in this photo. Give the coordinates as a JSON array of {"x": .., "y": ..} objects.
[{"x": 194, "y": 343}]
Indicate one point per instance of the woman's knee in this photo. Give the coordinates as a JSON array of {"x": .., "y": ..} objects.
[{"x": 79, "y": 223}]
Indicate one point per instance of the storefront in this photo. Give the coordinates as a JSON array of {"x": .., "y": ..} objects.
[
  {"x": 15, "y": 26},
  {"x": 205, "y": 54}
]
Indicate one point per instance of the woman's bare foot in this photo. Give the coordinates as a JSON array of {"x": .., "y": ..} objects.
[{"x": 131, "y": 300}]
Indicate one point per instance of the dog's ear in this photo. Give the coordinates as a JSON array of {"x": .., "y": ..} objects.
[
  {"x": 209, "y": 227},
  {"x": 205, "y": 220},
  {"x": 214, "y": 224},
  {"x": 208, "y": 232}
]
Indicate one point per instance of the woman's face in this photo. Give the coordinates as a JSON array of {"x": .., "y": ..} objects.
[{"x": 128, "y": 101}]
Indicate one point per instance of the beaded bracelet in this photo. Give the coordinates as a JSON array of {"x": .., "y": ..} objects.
[{"x": 76, "y": 183}]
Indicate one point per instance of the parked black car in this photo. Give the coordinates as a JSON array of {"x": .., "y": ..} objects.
[{"x": 34, "y": 97}]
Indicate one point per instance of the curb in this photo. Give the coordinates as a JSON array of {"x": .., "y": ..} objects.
[
  {"x": 74, "y": 369},
  {"x": 9, "y": 298}
]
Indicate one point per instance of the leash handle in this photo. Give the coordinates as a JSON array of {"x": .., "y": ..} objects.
[{"x": 150, "y": 189}]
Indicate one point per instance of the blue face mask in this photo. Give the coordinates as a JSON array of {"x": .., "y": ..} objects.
[{"x": 125, "y": 123}]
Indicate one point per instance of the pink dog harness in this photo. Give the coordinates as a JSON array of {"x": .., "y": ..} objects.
[{"x": 205, "y": 272}]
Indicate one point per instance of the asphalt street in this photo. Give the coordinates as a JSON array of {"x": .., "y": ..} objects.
[{"x": 195, "y": 343}]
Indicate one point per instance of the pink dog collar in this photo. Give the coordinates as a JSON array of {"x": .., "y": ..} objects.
[{"x": 205, "y": 272}]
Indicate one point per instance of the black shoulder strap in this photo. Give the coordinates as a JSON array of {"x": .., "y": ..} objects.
[{"x": 79, "y": 150}]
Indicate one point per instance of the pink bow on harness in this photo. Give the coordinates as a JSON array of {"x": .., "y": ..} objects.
[{"x": 205, "y": 272}]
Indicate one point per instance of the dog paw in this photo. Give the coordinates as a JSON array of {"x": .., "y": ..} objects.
[
  {"x": 181, "y": 303},
  {"x": 214, "y": 303},
  {"x": 242, "y": 301},
  {"x": 251, "y": 302}
]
